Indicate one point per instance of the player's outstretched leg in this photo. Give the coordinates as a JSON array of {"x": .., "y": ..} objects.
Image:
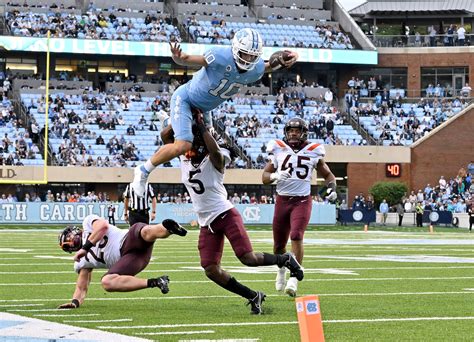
[{"x": 287, "y": 260}]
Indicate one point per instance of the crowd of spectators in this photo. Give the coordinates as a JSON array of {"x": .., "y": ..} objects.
[
  {"x": 455, "y": 194},
  {"x": 17, "y": 143},
  {"x": 94, "y": 24},
  {"x": 399, "y": 124}
]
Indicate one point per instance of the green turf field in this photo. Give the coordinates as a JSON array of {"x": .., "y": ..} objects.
[{"x": 391, "y": 285}]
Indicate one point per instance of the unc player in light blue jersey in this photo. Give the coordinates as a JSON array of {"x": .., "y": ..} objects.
[{"x": 224, "y": 71}]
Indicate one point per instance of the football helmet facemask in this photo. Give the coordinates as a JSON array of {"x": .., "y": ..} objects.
[
  {"x": 293, "y": 140},
  {"x": 70, "y": 240},
  {"x": 247, "y": 47}
]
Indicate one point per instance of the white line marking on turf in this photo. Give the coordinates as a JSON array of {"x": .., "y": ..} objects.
[
  {"x": 260, "y": 281},
  {"x": 33, "y": 310},
  {"x": 406, "y": 319},
  {"x": 374, "y": 320},
  {"x": 227, "y": 296},
  {"x": 18, "y": 305},
  {"x": 178, "y": 332},
  {"x": 101, "y": 320},
  {"x": 66, "y": 315},
  {"x": 194, "y": 325},
  {"x": 15, "y": 250}
]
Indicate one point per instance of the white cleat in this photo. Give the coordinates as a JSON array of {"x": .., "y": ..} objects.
[
  {"x": 280, "y": 281},
  {"x": 291, "y": 287},
  {"x": 139, "y": 180}
]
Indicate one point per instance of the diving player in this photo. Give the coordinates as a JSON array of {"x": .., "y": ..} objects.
[{"x": 224, "y": 71}]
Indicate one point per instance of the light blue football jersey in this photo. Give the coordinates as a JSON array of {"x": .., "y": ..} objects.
[{"x": 220, "y": 80}]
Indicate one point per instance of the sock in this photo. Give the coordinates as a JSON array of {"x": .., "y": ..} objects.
[
  {"x": 148, "y": 166},
  {"x": 234, "y": 286},
  {"x": 153, "y": 282},
  {"x": 270, "y": 259}
]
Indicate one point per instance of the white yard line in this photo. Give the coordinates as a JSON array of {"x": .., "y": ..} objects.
[
  {"x": 194, "y": 325},
  {"x": 405, "y": 319},
  {"x": 177, "y": 332},
  {"x": 260, "y": 281},
  {"x": 349, "y": 294},
  {"x": 373, "y": 320},
  {"x": 65, "y": 315},
  {"x": 18, "y": 305},
  {"x": 101, "y": 320}
]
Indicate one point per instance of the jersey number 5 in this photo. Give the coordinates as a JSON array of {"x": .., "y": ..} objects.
[
  {"x": 199, "y": 188},
  {"x": 301, "y": 174},
  {"x": 227, "y": 93}
]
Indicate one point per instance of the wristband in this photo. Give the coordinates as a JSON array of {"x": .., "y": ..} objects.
[
  {"x": 88, "y": 245},
  {"x": 75, "y": 302},
  {"x": 332, "y": 185}
]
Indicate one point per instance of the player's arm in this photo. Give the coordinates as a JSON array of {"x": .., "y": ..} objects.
[
  {"x": 215, "y": 154},
  {"x": 271, "y": 173},
  {"x": 329, "y": 178},
  {"x": 181, "y": 58},
  {"x": 82, "y": 285},
  {"x": 286, "y": 64},
  {"x": 167, "y": 135},
  {"x": 99, "y": 229}
]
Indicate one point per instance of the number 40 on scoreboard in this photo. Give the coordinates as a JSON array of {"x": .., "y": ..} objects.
[{"x": 393, "y": 170}]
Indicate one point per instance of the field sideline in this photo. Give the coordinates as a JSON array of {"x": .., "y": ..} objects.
[{"x": 386, "y": 285}]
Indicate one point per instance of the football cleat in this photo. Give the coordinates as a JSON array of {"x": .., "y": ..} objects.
[
  {"x": 294, "y": 266},
  {"x": 163, "y": 284},
  {"x": 256, "y": 303},
  {"x": 139, "y": 180},
  {"x": 291, "y": 287},
  {"x": 280, "y": 280},
  {"x": 174, "y": 227}
]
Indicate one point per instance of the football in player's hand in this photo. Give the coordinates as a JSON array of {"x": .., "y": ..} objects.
[{"x": 277, "y": 59}]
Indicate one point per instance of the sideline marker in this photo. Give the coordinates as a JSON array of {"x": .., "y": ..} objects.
[
  {"x": 309, "y": 319},
  {"x": 366, "y": 228},
  {"x": 431, "y": 228}
]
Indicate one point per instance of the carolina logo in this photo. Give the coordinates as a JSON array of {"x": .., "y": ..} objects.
[
  {"x": 357, "y": 215},
  {"x": 251, "y": 214},
  {"x": 434, "y": 216}
]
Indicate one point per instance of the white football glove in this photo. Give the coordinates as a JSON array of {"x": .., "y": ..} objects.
[
  {"x": 331, "y": 195},
  {"x": 280, "y": 175},
  {"x": 162, "y": 116}
]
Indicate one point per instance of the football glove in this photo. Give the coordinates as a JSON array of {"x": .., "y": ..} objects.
[
  {"x": 74, "y": 304},
  {"x": 331, "y": 194},
  {"x": 280, "y": 175}
]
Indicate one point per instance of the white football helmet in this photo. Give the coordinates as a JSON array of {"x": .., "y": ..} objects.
[{"x": 247, "y": 41}]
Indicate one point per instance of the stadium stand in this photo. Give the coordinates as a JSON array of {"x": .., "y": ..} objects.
[{"x": 19, "y": 146}]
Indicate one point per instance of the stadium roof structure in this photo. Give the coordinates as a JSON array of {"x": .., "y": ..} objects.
[{"x": 426, "y": 8}]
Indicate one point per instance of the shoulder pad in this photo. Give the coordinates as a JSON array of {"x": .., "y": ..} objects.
[
  {"x": 317, "y": 149},
  {"x": 275, "y": 145}
]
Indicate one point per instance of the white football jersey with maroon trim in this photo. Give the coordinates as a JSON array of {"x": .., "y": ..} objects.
[
  {"x": 205, "y": 185},
  {"x": 106, "y": 252},
  {"x": 300, "y": 164}
]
